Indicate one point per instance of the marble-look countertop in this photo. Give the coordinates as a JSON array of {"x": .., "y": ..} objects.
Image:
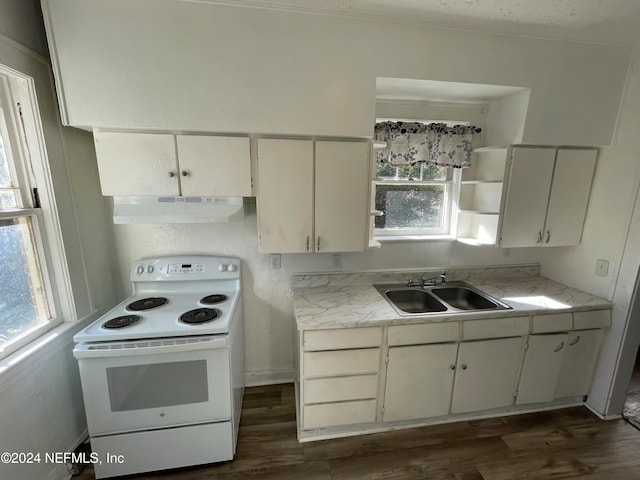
[{"x": 352, "y": 304}]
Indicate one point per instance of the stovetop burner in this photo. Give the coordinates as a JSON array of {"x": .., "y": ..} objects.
[
  {"x": 147, "y": 304},
  {"x": 200, "y": 315},
  {"x": 213, "y": 299},
  {"x": 122, "y": 322}
]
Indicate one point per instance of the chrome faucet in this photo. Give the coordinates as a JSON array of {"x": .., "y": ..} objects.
[
  {"x": 433, "y": 281},
  {"x": 429, "y": 282}
]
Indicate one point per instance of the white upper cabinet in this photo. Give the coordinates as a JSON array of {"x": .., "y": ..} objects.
[
  {"x": 312, "y": 196},
  {"x": 547, "y": 196},
  {"x": 137, "y": 163},
  {"x": 341, "y": 196},
  {"x": 569, "y": 196},
  {"x": 214, "y": 166},
  {"x": 285, "y": 201},
  {"x": 164, "y": 164}
]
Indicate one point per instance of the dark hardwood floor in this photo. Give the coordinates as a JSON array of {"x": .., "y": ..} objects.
[{"x": 561, "y": 444}]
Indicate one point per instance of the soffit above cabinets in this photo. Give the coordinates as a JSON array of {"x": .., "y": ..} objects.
[
  {"x": 436, "y": 91},
  {"x": 587, "y": 20}
]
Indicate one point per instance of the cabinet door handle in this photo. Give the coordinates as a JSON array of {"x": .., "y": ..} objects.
[
  {"x": 548, "y": 236},
  {"x": 575, "y": 340},
  {"x": 172, "y": 174},
  {"x": 464, "y": 366},
  {"x": 539, "y": 237},
  {"x": 452, "y": 367},
  {"x": 318, "y": 245},
  {"x": 559, "y": 347},
  {"x": 307, "y": 243},
  {"x": 185, "y": 173}
]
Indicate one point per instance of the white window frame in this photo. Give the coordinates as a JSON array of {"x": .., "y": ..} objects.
[
  {"x": 28, "y": 160},
  {"x": 453, "y": 180}
]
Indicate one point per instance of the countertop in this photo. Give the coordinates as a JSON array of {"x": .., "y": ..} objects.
[{"x": 356, "y": 305}]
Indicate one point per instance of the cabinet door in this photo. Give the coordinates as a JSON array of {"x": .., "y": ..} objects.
[
  {"x": 419, "y": 380},
  {"x": 214, "y": 166},
  {"x": 285, "y": 195},
  {"x": 525, "y": 206},
  {"x": 569, "y": 196},
  {"x": 341, "y": 196},
  {"x": 486, "y": 374},
  {"x": 578, "y": 363},
  {"x": 541, "y": 368},
  {"x": 136, "y": 163}
]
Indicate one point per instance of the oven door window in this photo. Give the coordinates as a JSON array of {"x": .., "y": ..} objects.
[{"x": 139, "y": 387}]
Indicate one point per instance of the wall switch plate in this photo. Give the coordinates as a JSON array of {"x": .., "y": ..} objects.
[
  {"x": 602, "y": 267},
  {"x": 275, "y": 259}
]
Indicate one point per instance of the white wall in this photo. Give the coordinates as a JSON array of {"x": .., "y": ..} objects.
[
  {"x": 608, "y": 221},
  {"x": 201, "y": 66},
  {"x": 269, "y": 323},
  {"x": 41, "y": 407}
]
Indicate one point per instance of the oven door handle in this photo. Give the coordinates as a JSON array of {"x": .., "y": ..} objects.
[{"x": 133, "y": 348}]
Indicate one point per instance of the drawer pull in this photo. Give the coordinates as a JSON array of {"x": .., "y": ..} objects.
[
  {"x": 575, "y": 340},
  {"x": 559, "y": 347}
]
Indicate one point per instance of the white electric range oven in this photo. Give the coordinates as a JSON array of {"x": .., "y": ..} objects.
[{"x": 162, "y": 373}]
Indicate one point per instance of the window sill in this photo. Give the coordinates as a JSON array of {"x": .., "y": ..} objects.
[
  {"x": 55, "y": 339},
  {"x": 414, "y": 238}
]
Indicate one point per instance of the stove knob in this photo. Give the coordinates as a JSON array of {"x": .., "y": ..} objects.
[
  {"x": 222, "y": 267},
  {"x": 140, "y": 270},
  {"x": 150, "y": 269},
  {"x": 232, "y": 268}
]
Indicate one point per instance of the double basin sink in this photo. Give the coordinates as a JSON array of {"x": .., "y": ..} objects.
[{"x": 450, "y": 298}]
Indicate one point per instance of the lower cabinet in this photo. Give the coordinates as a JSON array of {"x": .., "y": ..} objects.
[
  {"x": 579, "y": 362},
  {"x": 486, "y": 374},
  {"x": 541, "y": 368},
  {"x": 419, "y": 381},
  {"x": 426, "y": 380},
  {"x": 339, "y": 370},
  {"x": 375, "y": 375}
]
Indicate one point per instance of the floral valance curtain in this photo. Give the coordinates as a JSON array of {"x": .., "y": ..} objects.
[{"x": 409, "y": 143}]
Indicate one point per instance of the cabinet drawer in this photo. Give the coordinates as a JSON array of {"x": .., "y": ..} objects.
[
  {"x": 495, "y": 328},
  {"x": 591, "y": 319},
  {"x": 554, "y": 322},
  {"x": 341, "y": 362},
  {"x": 345, "y": 413},
  {"x": 342, "y": 338},
  {"x": 421, "y": 333},
  {"x": 320, "y": 390}
]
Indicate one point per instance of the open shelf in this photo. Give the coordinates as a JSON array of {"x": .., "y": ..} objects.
[{"x": 477, "y": 228}]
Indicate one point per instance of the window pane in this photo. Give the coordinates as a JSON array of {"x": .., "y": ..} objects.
[
  {"x": 411, "y": 172},
  {"x": 22, "y": 302},
  {"x": 434, "y": 172},
  {"x": 411, "y": 206},
  {"x": 385, "y": 170},
  {"x": 7, "y": 199},
  {"x": 5, "y": 178}
]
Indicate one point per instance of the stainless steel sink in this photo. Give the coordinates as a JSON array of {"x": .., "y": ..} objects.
[
  {"x": 413, "y": 300},
  {"x": 464, "y": 298},
  {"x": 450, "y": 298}
]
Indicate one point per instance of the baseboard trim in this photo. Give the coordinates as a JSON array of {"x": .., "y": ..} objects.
[
  {"x": 600, "y": 415},
  {"x": 256, "y": 379}
]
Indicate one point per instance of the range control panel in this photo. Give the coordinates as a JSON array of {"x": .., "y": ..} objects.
[{"x": 185, "y": 268}]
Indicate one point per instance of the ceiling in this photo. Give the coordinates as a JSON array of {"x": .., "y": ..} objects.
[{"x": 602, "y": 21}]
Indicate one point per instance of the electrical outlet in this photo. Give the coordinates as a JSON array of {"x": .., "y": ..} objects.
[
  {"x": 275, "y": 260},
  {"x": 602, "y": 267},
  {"x": 337, "y": 260}
]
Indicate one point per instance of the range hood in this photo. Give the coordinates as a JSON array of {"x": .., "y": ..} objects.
[{"x": 169, "y": 209}]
